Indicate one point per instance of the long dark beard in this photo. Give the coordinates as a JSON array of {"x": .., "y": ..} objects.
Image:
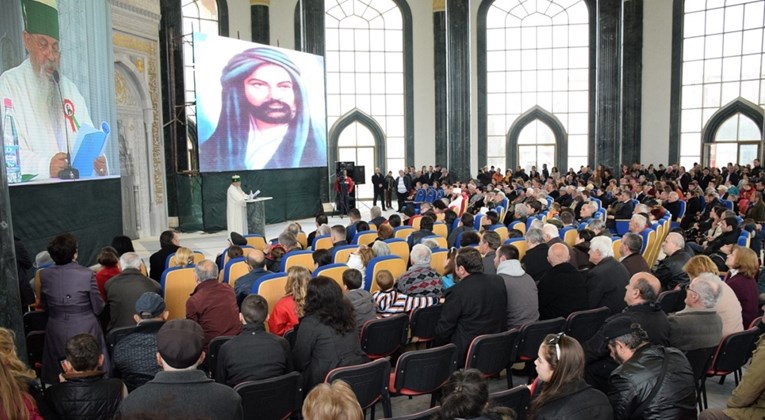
[{"x": 273, "y": 112}]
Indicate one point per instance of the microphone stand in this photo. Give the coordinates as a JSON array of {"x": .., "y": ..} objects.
[{"x": 69, "y": 172}]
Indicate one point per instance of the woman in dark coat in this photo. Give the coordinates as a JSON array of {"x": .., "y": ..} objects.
[
  {"x": 560, "y": 392},
  {"x": 70, "y": 295},
  {"x": 326, "y": 336}
]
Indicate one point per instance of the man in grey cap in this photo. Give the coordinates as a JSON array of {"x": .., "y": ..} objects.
[
  {"x": 135, "y": 355},
  {"x": 181, "y": 390}
]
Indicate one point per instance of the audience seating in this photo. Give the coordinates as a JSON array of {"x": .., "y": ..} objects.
[
  {"x": 198, "y": 256},
  {"x": 297, "y": 257},
  {"x": 392, "y": 263},
  {"x": 114, "y": 336},
  {"x": 223, "y": 256},
  {"x": 501, "y": 231},
  {"x": 212, "y": 354},
  {"x": 438, "y": 258},
  {"x": 569, "y": 235},
  {"x": 271, "y": 287},
  {"x": 622, "y": 226},
  {"x": 422, "y": 324},
  {"x": 403, "y": 232},
  {"x": 177, "y": 285},
  {"x": 256, "y": 241},
  {"x": 529, "y": 338},
  {"x": 302, "y": 239},
  {"x": 275, "y": 398},
  {"x": 700, "y": 360},
  {"x": 322, "y": 242},
  {"x": 520, "y": 244},
  {"x": 342, "y": 253},
  {"x": 490, "y": 353},
  {"x": 671, "y": 300},
  {"x": 235, "y": 269},
  {"x": 383, "y": 337},
  {"x": 35, "y": 341},
  {"x": 582, "y": 325},
  {"x": 615, "y": 247},
  {"x": 35, "y": 321},
  {"x": 415, "y": 222},
  {"x": 422, "y": 372},
  {"x": 369, "y": 382},
  {"x": 399, "y": 247},
  {"x": 333, "y": 271},
  {"x": 517, "y": 398},
  {"x": 439, "y": 239},
  {"x": 364, "y": 238},
  {"x": 731, "y": 354},
  {"x": 519, "y": 226},
  {"x": 422, "y": 415},
  {"x": 440, "y": 229}
]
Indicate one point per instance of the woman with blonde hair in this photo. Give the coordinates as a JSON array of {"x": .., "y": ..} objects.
[
  {"x": 183, "y": 257},
  {"x": 332, "y": 402},
  {"x": 560, "y": 390},
  {"x": 728, "y": 306},
  {"x": 289, "y": 309},
  {"x": 16, "y": 383},
  {"x": 360, "y": 259},
  {"x": 742, "y": 278}
]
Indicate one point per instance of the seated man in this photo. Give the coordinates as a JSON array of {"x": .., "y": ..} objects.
[
  {"x": 630, "y": 248},
  {"x": 562, "y": 289},
  {"x": 321, "y": 219},
  {"x": 389, "y": 302},
  {"x": 607, "y": 279},
  {"x": 212, "y": 304},
  {"x": 535, "y": 261},
  {"x": 426, "y": 229},
  {"x": 377, "y": 218},
  {"x": 256, "y": 264},
  {"x": 124, "y": 289},
  {"x": 698, "y": 326},
  {"x": 642, "y": 365},
  {"x": 354, "y": 216},
  {"x": 135, "y": 355},
  {"x": 363, "y": 304},
  {"x": 490, "y": 241},
  {"x": 420, "y": 279},
  {"x": 467, "y": 222},
  {"x": 236, "y": 363},
  {"x": 338, "y": 236},
  {"x": 181, "y": 390},
  {"x": 169, "y": 243},
  {"x": 522, "y": 298},
  {"x": 670, "y": 270},
  {"x": 83, "y": 391}
]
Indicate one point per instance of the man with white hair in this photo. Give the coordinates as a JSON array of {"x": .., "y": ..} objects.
[
  {"x": 588, "y": 210},
  {"x": 535, "y": 261},
  {"x": 638, "y": 223},
  {"x": 376, "y": 217},
  {"x": 421, "y": 279},
  {"x": 607, "y": 279},
  {"x": 670, "y": 270},
  {"x": 698, "y": 326},
  {"x": 124, "y": 289}
]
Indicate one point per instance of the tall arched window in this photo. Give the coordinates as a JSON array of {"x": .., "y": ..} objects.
[
  {"x": 723, "y": 61},
  {"x": 536, "y": 55},
  {"x": 367, "y": 63}
]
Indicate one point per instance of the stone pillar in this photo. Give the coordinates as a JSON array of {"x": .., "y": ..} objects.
[
  {"x": 608, "y": 121},
  {"x": 439, "y": 70},
  {"x": 10, "y": 301},
  {"x": 309, "y": 26},
  {"x": 458, "y": 86},
  {"x": 632, "y": 78},
  {"x": 259, "y": 21}
]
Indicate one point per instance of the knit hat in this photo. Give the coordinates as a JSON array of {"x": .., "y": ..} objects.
[
  {"x": 149, "y": 305},
  {"x": 179, "y": 342},
  {"x": 41, "y": 17}
]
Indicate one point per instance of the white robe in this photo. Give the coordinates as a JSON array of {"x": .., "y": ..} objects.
[
  {"x": 236, "y": 210},
  {"x": 39, "y": 127}
]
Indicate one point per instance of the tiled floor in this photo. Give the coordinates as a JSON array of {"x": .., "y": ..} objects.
[{"x": 213, "y": 243}]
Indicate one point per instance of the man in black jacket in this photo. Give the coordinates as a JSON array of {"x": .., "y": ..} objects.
[
  {"x": 640, "y": 297},
  {"x": 653, "y": 381},
  {"x": 378, "y": 184},
  {"x": 607, "y": 279},
  {"x": 562, "y": 289},
  {"x": 168, "y": 242},
  {"x": 670, "y": 270},
  {"x": 535, "y": 261},
  {"x": 475, "y": 305}
]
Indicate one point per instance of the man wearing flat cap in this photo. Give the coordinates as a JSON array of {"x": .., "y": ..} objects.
[
  {"x": 653, "y": 381},
  {"x": 236, "y": 207},
  {"x": 43, "y": 122},
  {"x": 181, "y": 390}
]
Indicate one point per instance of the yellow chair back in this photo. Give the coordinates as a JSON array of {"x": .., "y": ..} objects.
[
  {"x": 257, "y": 242},
  {"x": 438, "y": 260},
  {"x": 404, "y": 232},
  {"x": 178, "y": 286},
  {"x": 303, "y": 259},
  {"x": 302, "y": 239},
  {"x": 235, "y": 271},
  {"x": 323, "y": 243},
  {"x": 198, "y": 256},
  {"x": 401, "y": 249},
  {"x": 502, "y": 232},
  {"x": 396, "y": 266},
  {"x": 440, "y": 240},
  {"x": 615, "y": 246},
  {"x": 440, "y": 229},
  {"x": 272, "y": 290},
  {"x": 522, "y": 248},
  {"x": 570, "y": 237},
  {"x": 343, "y": 255},
  {"x": 335, "y": 273},
  {"x": 416, "y": 223},
  {"x": 366, "y": 238}
]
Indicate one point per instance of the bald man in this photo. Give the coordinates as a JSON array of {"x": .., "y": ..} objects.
[
  {"x": 640, "y": 296},
  {"x": 670, "y": 270},
  {"x": 562, "y": 289},
  {"x": 256, "y": 264}
]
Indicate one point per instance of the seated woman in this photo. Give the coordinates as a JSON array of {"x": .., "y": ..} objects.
[
  {"x": 22, "y": 397},
  {"x": 466, "y": 396},
  {"x": 447, "y": 280},
  {"x": 183, "y": 257},
  {"x": 108, "y": 260},
  {"x": 742, "y": 278},
  {"x": 560, "y": 392},
  {"x": 326, "y": 337},
  {"x": 289, "y": 308},
  {"x": 360, "y": 259}
]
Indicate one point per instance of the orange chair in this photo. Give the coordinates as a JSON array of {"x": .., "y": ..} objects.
[
  {"x": 438, "y": 259},
  {"x": 333, "y": 271},
  {"x": 392, "y": 263},
  {"x": 256, "y": 241},
  {"x": 271, "y": 287},
  {"x": 177, "y": 286},
  {"x": 399, "y": 247}
]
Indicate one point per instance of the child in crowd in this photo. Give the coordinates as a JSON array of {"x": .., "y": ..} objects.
[
  {"x": 390, "y": 302},
  {"x": 362, "y": 302}
]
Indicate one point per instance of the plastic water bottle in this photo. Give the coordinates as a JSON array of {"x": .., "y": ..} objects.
[{"x": 11, "y": 144}]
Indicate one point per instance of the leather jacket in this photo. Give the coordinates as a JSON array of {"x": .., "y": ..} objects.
[
  {"x": 86, "y": 395},
  {"x": 670, "y": 270}
]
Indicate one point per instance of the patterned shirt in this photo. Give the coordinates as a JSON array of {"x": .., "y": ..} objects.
[
  {"x": 420, "y": 280},
  {"x": 391, "y": 302}
]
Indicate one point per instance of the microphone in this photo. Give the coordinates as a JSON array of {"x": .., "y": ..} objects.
[{"x": 69, "y": 172}]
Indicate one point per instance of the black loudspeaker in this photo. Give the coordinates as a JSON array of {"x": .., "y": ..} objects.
[
  {"x": 347, "y": 166},
  {"x": 359, "y": 177}
]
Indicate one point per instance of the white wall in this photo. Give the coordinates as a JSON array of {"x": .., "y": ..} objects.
[
  {"x": 282, "y": 16},
  {"x": 239, "y": 20},
  {"x": 424, "y": 83},
  {"x": 657, "y": 77}
]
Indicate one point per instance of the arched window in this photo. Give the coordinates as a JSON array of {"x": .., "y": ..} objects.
[
  {"x": 536, "y": 55},
  {"x": 368, "y": 66},
  {"x": 723, "y": 53},
  {"x": 733, "y": 134}
]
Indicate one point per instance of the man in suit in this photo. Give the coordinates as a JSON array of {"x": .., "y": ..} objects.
[
  {"x": 475, "y": 305},
  {"x": 535, "y": 261},
  {"x": 124, "y": 289},
  {"x": 607, "y": 279},
  {"x": 562, "y": 289},
  {"x": 403, "y": 186},
  {"x": 490, "y": 241},
  {"x": 670, "y": 270},
  {"x": 378, "y": 184},
  {"x": 169, "y": 243},
  {"x": 630, "y": 248}
]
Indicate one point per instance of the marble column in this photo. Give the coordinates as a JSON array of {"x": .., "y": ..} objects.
[
  {"x": 439, "y": 69},
  {"x": 259, "y": 21},
  {"x": 309, "y": 26},
  {"x": 10, "y": 301},
  {"x": 608, "y": 121},
  {"x": 632, "y": 77},
  {"x": 458, "y": 87}
]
